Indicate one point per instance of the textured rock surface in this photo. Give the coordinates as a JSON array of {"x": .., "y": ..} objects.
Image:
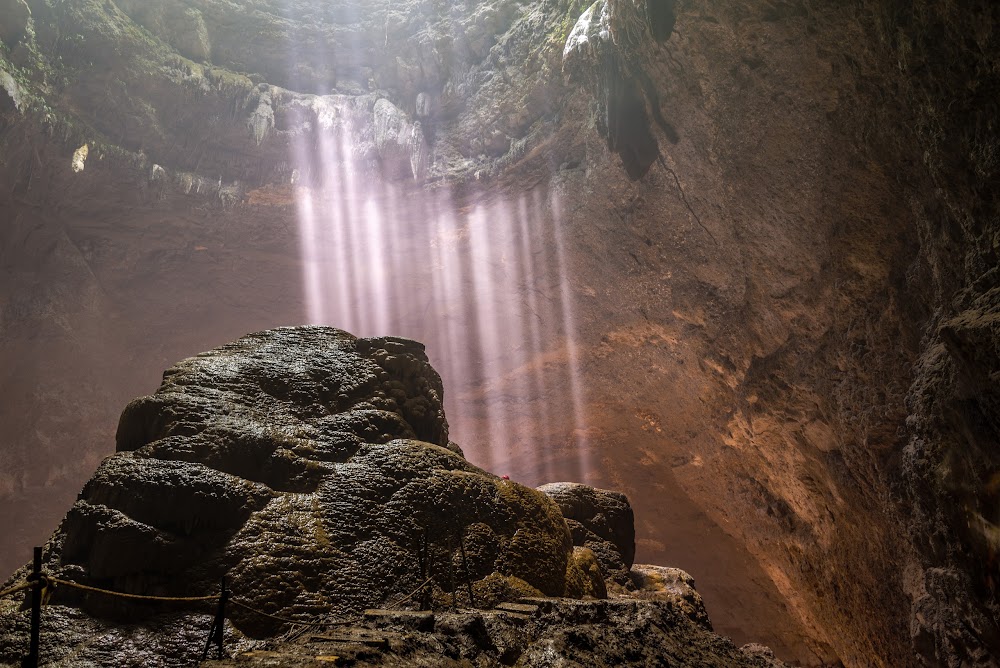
[
  {"x": 625, "y": 632},
  {"x": 289, "y": 462},
  {"x": 672, "y": 584},
  {"x": 601, "y": 521},
  {"x": 783, "y": 329},
  {"x": 310, "y": 466}
]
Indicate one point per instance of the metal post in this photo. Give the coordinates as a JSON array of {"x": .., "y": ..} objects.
[
  {"x": 218, "y": 625},
  {"x": 220, "y": 617},
  {"x": 31, "y": 661},
  {"x": 451, "y": 576}
]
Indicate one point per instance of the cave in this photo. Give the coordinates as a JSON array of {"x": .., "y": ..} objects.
[{"x": 736, "y": 260}]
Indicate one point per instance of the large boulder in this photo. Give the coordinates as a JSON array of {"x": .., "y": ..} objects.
[
  {"x": 663, "y": 583},
  {"x": 312, "y": 468},
  {"x": 600, "y": 520}
]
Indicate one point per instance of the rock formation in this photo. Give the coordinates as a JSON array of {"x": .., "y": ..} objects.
[
  {"x": 312, "y": 469},
  {"x": 600, "y": 521}
]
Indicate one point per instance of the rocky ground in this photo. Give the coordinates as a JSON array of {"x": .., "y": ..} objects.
[
  {"x": 784, "y": 316},
  {"x": 313, "y": 471}
]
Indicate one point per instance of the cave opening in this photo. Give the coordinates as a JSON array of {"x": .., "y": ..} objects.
[{"x": 736, "y": 260}]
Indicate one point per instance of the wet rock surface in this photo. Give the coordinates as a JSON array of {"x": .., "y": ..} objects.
[{"x": 308, "y": 467}]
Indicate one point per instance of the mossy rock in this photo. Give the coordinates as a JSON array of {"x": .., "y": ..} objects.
[{"x": 583, "y": 575}]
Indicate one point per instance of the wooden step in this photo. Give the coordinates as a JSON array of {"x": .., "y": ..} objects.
[
  {"x": 520, "y": 608},
  {"x": 417, "y": 620},
  {"x": 364, "y": 637}
]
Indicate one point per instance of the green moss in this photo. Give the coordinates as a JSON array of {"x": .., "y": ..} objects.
[
  {"x": 563, "y": 27},
  {"x": 583, "y": 575},
  {"x": 541, "y": 545},
  {"x": 497, "y": 588}
]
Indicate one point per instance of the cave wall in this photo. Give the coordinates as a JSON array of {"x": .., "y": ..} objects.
[
  {"x": 943, "y": 59},
  {"x": 785, "y": 321}
]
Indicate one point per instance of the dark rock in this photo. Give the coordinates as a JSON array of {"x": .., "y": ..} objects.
[
  {"x": 14, "y": 16},
  {"x": 414, "y": 620},
  {"x": 626, "y": 127},
  {"x": 662, "y": 15},
  {"x": 549, "y": 632},
  {"x": 600, "y": 520},
  {"x": 289, "y": 460}
]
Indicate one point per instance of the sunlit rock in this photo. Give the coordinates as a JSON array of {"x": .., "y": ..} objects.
[
  {"x": 601, "y": 53},
  {"x": 663, "y": 582},
  {"x": 399, "y": 142},
  {"x": 80, "y": 158}
]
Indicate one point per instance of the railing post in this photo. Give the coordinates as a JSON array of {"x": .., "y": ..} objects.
[
  {"x": 219, "y": 625},
  {"x": 425, "y": 594},
  {"x": 31, "y": 661}
]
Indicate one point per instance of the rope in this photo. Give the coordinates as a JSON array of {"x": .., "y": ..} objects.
[
  {"x": 213, "y": 597},
  {"x": 77, "y": 585},
  {"x": 285, "y": 619},
  {"x": 411, "y": 594},
  {"x": 14, "y": 590}
]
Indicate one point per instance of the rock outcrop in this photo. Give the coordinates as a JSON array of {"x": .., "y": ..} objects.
[
  {"x": 601, "y": 521},
  {"x": 311, "y": 469}
]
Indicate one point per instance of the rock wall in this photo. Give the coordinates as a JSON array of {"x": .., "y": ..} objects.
[{"x": 944, "y": 58}]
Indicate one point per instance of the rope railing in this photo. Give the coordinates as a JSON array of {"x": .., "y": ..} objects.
[
  {"x": 41, "y": 582},
  {"x": 17, "y": 588},
  {"x": 135, "y": 597},
  {"x": 41, "y": 586},
  {"x": 412, "y": 593}
]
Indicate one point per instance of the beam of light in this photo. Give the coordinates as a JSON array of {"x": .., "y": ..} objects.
[
  {"x": 308, "y": 237},
  {"x": 311, "y": 260},
  {"x": 447, "y": 278},
  {"x": 339, "y": 253},
  {"x": 531, "y": 277},
  {"x": 485, "y": 287},
  {"x": 481, "y": 260},
  {"x": 517, "y": 352},
  {"x": 569, "y": 328},
  {"x": 372, "y": 245}
]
